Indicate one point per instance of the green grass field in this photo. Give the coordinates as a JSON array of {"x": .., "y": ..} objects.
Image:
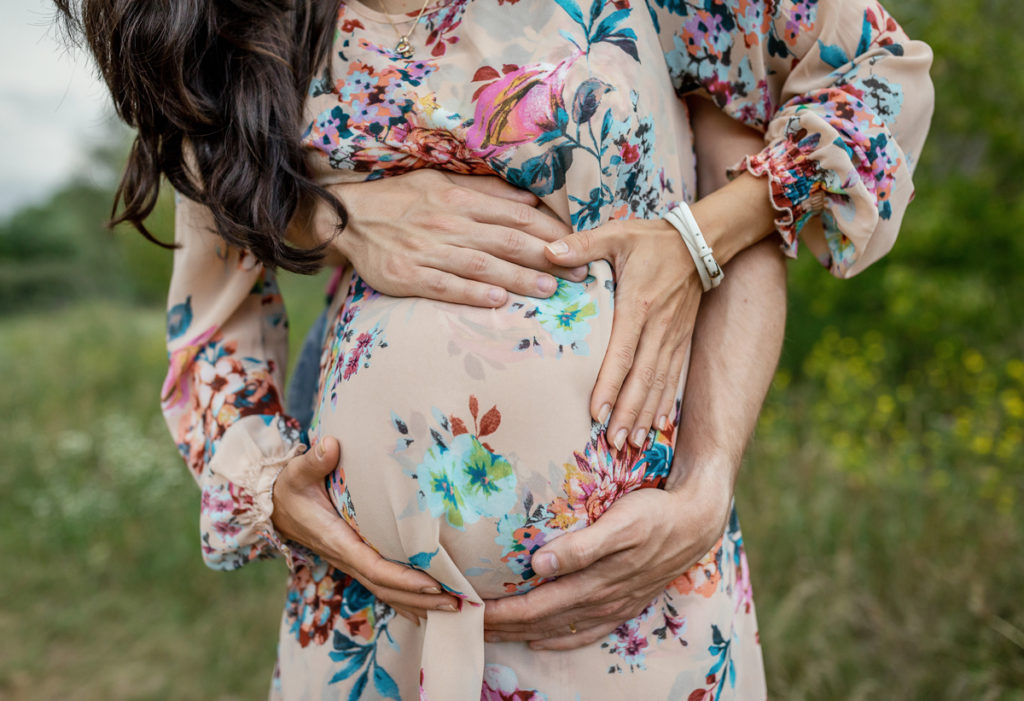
[{"x": 878, "y": 571}]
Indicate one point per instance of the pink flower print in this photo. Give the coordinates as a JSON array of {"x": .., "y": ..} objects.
[{"x": 518, "y": 107}]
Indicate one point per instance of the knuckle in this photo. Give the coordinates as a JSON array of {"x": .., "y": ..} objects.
[
  {"x": 477, "y": 263},
  {"x": 660, "y": 381},
  {"x": 455, "y": 196},
  {"x": 647, "y": 375},
  {"x": 436, "y": 285},
  {"x": 514, "y": 242},
  {"x": 393, "y": 269},
  {"x": 623, "y": 357},
  {"x": 442, "y": 223},
  {"x": 521, "y": 214}
]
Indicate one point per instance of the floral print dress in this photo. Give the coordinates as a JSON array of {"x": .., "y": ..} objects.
[{"x": 465, "y": 432}]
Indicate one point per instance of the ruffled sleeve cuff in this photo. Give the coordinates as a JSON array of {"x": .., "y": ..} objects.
[
  {"x": 237, "y": 499},
  {"x": 795, "y": 184}
]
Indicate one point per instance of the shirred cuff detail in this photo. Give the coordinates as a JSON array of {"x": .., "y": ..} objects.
[{"x": 795, "y": 183}]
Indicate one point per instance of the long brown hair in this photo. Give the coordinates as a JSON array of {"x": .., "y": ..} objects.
[{"x": 215, "y": 90}]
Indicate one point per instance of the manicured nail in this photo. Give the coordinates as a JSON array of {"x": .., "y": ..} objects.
[
  {"x": 558, "y": 248},
  {"x": 320, "y": 450},
  {"x": 430, "y": 590},
  {"x": 546, "y": 284},
  {"x": 620, "y": 439},
  {"x": 661, "y": 423},
  {"x": 450, "y": 608},
  {"x": 545, "y": 564},
  {"x": 496, "y": 295},
  {"x": 638, "y": 437},
  {"x": 602, "y": 416}
]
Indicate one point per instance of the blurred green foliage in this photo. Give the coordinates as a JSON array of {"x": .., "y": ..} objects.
[{"x": 882, "y": 499}]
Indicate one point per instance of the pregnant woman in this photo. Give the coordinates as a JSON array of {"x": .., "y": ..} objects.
[{"x": 469, "y": 435}]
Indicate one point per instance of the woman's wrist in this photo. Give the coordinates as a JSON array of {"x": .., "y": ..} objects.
[{"x": 736, "y": 216}]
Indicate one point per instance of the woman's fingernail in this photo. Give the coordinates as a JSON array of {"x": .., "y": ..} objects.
[
  {"x": 496, "y": 295},
  {"x": 430, "y": 590},
  {"x": 661, "y": 423},
  {"x": 450, "y": 608},
  {"x": 602, "y": 416},
  {"x": 320, "y": 450},
  {"x": 558, "y": 248},
  {"x": 546, "y": 284},
  {"x": 620, "y": 439},
  {"x": 638, "y": 437}
]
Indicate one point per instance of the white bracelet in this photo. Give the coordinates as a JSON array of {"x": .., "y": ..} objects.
[{"x": 711, "y": 274}]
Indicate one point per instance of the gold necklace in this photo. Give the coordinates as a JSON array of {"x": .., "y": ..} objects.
[{"x": 403, "y": 48}]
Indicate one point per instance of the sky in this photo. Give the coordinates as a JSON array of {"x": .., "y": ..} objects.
[{"x": 52, "y": 106}]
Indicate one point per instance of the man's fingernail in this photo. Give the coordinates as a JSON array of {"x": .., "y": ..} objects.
[
  {"x": 558, "y": 248},
  {"x": 320, "y": 450},
  {"x": 602, "y": 416},
  {"x": 661, "y": 423},
  {"x": 580, "y": 272},
  {"x": 546, "y": 284},
  {"x": 430, "y": 590},
  {"x": 620, "y": 439},
  {"x": 450, "y": 608},
  {"x": 638, "y": 437},
  {"x": 545, "y": 564},
  {"x": 496, "y": 295}
]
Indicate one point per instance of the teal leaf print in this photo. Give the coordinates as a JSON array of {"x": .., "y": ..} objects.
[
  {"x": 832, "y": 55},
  {"x": 573, "y": 10},
  {"x": 358, "y": 687},
  {"x": 588, "y": 98},
  {"x": 179, "y": 318},
  {"x": 384, "y": 684},
  {"x": 865, "y": 36},
  {"x": 545, "y": 173},
  {"x": 609, "y": 24},
  {"x": 422, "y": 560}
]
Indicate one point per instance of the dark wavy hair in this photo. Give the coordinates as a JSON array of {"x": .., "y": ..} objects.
[{"x": 215, "y": 90}]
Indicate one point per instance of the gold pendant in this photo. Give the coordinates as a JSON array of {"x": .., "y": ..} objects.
[{"x": 403, "y": 48}]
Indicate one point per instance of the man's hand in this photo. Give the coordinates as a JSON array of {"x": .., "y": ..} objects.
[
  {"x": 612, "y": 570},
  {"x": 467, "y": 239}
]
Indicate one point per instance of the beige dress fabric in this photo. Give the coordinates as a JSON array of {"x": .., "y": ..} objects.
[{"x": 465, "y": 432}]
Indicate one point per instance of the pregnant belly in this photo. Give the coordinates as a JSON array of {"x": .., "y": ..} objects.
[{"x": 466, "y": 434}]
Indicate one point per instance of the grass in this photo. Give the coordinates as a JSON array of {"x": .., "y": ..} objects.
[{"x": 885, "y": 540}]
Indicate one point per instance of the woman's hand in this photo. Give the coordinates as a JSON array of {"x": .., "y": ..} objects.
[
  {"x": 656, "y": 297},
  {"x": 612, "y": 570},
  {"x": 303, "y": 513},
  {"x": 657, "y": 293},
  {"x": 468, "y": 239}
]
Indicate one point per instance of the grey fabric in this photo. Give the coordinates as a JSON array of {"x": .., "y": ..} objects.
[{"x": 303, "y": 383}]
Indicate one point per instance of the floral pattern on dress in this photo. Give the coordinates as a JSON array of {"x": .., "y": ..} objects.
[
  {"x": 597, "y": 476},
  {"x": 460, "y": 476},
  {"x": 319, "y": 597}
]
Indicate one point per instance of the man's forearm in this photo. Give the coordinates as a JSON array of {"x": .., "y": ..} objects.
[{"x": 736, "y": 345}]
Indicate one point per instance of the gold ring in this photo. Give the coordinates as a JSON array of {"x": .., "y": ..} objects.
[{"x": 572, "y": 628}]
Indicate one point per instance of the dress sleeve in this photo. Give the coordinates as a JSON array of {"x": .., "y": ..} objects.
[
  {"x": 227, "y": 351},
  {"x": 842, "y": 95}
]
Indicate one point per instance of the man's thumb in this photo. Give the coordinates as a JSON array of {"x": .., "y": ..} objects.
[
  {"x": 574, "y": 249},
  {"x": 571, "y": 552}
]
